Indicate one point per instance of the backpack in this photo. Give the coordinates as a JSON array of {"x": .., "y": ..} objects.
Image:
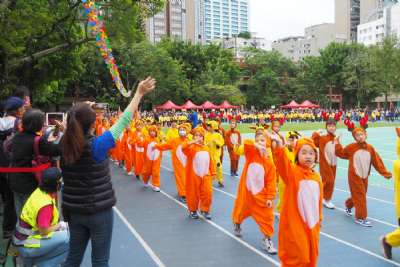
[
  {"x": 39, "y": 163},
  {"x": 6, "y": 145}
]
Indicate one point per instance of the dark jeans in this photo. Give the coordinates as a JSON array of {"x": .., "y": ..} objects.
[
  {"x": 97, "y": 227},
  {"x": 9, "y": 215}
]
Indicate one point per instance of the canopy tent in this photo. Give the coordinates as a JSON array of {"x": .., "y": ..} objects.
[
  {"x": 168, "y": 105},
  {"x": 308, "y": 104},
  {"x": 226, "y": 105},
  {"x": 208, "y": 105},
  {"x": 189, "y": 105},
  {"x": 292, "y": 104}
]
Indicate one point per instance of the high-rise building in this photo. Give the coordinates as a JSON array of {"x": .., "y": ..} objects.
[
  {"x": 373, "y": 9},
  {"x": 316, "y": 37},
  {"x": 177, "y": 20},
  {"x": 382, "y": 22},
  {"x": 223, "y": 18},
  {"x": 347, "y": 18}
]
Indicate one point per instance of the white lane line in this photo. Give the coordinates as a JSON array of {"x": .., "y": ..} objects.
[
  {"x": 360, "y": 249},
  {"x": 373, "y": 198},
  {"x": 247, "y": 245},
  {"x": 144, "y": 244},
  {"x": 340, "y": 240},
  {"x": 375, "y": 220},
  {"x": 322, "y": 233}
]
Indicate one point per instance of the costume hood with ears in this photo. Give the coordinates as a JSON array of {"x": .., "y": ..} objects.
[
  {"x": 274, "y": 120},
  {"x": 331, "y": 119},
  {"x": 362, "y": 128},
  {"x": 305, "y": 141},
  {"x": 200, "y": 130},
  {"x": 293, "y": 134},
  {"x": 259, "y": 127}
]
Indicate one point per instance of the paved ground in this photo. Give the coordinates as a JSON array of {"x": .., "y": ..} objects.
[{"x": 152, "y": 229}]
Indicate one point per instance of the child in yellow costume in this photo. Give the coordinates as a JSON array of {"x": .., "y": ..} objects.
[
  {"x": 393, "y": 239},
  {"x": 215, "y": 141},
  {"x": 291, "y": 140}
]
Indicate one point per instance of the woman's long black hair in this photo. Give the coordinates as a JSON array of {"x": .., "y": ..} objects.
[{"x": 79, "y": 121}]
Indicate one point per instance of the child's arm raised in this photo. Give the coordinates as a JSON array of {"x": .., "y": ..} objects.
[{"x": 282, "y": 161}]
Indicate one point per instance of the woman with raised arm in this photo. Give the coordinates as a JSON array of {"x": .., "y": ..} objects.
[{"x": 88, "y": 195}]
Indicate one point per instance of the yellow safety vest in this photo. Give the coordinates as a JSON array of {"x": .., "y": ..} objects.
[{"x": 35, "y": 202}]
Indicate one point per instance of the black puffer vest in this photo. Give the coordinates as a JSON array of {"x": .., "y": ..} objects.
[{"x": 87, "y": 184}]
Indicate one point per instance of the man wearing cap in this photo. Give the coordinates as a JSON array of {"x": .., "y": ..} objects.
[
  {"x": 41, "y": 239},
  {"x": 14, "y": 108}
]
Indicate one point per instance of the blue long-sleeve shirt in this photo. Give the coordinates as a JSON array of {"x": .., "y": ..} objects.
[{"x": 103, "y": 143}]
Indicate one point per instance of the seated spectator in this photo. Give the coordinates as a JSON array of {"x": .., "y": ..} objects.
[{"x": 41, "y": 239}]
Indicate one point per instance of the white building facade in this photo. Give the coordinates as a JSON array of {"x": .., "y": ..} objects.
[{"x": 223, "y": 18}]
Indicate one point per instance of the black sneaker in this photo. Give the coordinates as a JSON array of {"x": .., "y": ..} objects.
[
  {"x": 221, "y": 185},
  {"x": 138, "y": 177},
  {"x": 182, "y": 199},
  {"x": 194, "y": 215},
  {"x": 237, "y": 230},
  {"x": 206, "y": 215},
  {"x": 386, "y": 248}
]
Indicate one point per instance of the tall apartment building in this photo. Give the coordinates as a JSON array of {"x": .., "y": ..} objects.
[
  {"x": 177, "y": 20},
  {"x": 382, "y": 22},
  {"x": 347, "y": 18},
  {"x": 316, "y": 37},
  {"x": 223, "y": 18}
]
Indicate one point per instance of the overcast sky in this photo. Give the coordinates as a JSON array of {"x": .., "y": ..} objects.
[{"x": 274, "y": 19}]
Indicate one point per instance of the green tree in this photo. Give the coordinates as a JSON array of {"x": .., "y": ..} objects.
[
  {"x": 386, "y": 59},
  {"x": 245, "y": 35}
]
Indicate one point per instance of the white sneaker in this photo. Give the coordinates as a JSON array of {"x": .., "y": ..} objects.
[
  {"x": 364, "y": 223},
  {"x": 268, "y": 246},
  {"x": 146, "y": 185},
  {"x": 130, "y": 173},
  {"x": 156, "y": 189},
  {"x": 328, "y": 204}
]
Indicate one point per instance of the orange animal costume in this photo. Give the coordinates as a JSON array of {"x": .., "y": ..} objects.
[
  {"x": 327, "y": 156},
  {"x": 200, "y": 170},
  {"x": 361, "y": 156},
  {"x": 179, "y": 159},
  {"x": 232, "y": 138},
  {"x": 257, "y": 185},
  {"x": 301, "y": 213},
  {"x": 152, "y": 160},
  {"x": 138, "y": 149}
]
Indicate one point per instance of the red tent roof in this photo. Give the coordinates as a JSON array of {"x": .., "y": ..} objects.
[
  {"x": 168, "y": 105},
  {"x": 308, "y": 104},
  {"x": 208, "y": 105},
  {"x": 226, "y": 105},
  {"x": 189, "y": 105},
  {"x": 292, "y": 104}
]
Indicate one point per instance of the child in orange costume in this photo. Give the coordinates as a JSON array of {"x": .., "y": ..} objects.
[
  {"x": 327, "y": 157},
  {"x": 200, "y": 170},
  {"x": 129, "y": 151},
  {"x": 232, "y": 138},
  {"x": 361, "y": 156},
  {"x": 138, "y": 148},
  {"x": 152, "y": 160},
  {"x": 178, "y": 159},
  {"x": 301, "y": 213},
  {"x": 257, "y": 190}
]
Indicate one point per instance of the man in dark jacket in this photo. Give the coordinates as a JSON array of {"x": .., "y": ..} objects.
[{"x": 13, "y": 108}]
